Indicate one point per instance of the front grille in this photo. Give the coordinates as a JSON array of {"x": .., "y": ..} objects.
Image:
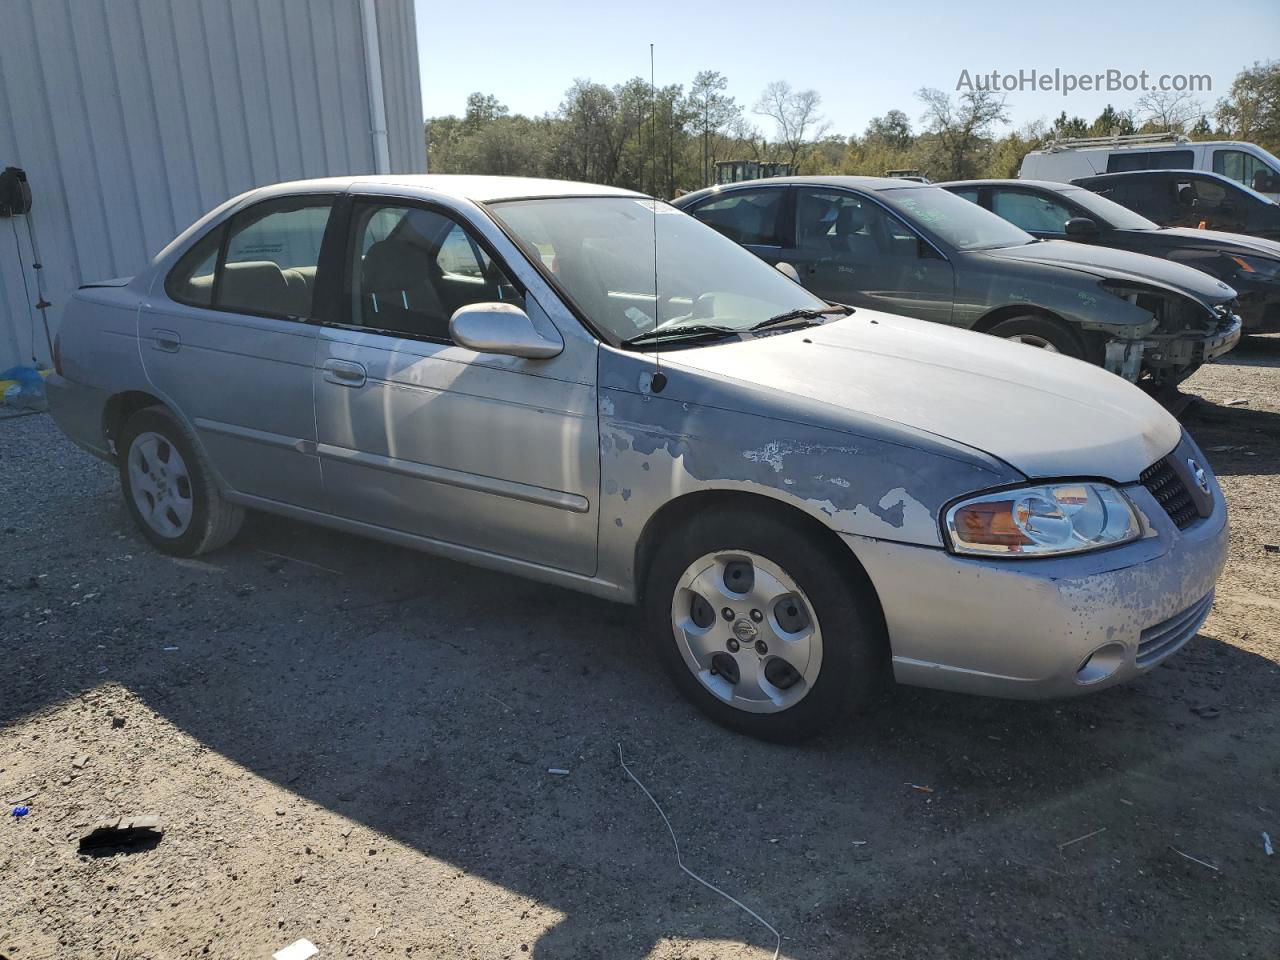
[
  {"x": 1164, "y": 483},
  {"x": 1159, "y": 641}
]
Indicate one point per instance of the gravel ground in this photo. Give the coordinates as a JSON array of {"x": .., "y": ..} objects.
[{"x": 350, "y": 743}]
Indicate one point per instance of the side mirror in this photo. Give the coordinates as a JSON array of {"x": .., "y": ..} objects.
[
  {"x": 1081, "y": 227},
  {"x": 788, "y": 271},
  {"x": 501, "y": 328}
]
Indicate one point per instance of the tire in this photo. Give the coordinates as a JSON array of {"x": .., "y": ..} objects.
[
  {"x": 1046, "y": 333},
  {"x": 169, "y": 487},
  {"x": 794, "y": 701}
]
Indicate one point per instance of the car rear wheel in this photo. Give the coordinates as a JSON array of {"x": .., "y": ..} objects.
[
  {"x": 764, "y": 627},
  {"x": 169, "y": 487},
  {"x": 1045, "y": 333}
]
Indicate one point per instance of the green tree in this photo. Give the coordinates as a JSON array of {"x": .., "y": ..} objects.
[
  {"x": 957, "y": 138},
  {"x": 713, "y": 112},
  {"x": 892, "y": 131},
  {"x": 1251, "y": 109},
  {"x": 1112, "y": 122}
]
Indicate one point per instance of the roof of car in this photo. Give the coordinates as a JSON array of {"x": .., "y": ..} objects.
[
  {"x": 1006, "y": 182},
  {"x": 866, "y": 183},
  {"x": 475, "y": 188},
  {"x": 1118, "y": 174}
]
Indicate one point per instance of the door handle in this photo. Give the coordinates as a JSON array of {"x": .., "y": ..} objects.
[
  {"x": 166, "y": 340},
  {"x": 345, "y": 373}
]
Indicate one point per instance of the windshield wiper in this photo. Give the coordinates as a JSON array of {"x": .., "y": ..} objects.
[
  {"x": 693, "y": 331},
  {"x": 802, "y": 314}
]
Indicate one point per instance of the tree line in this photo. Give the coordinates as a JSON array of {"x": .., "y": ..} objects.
[{"x": 667, "y": 140}]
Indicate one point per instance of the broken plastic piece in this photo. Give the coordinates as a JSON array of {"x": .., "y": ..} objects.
[
  {"x": 298, "y": 950},
  {"x": 21, "y": 811},
  {"x": 558, "y": 771}
]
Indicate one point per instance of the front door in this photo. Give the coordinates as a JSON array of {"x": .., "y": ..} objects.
[
  {"x": 227, "y": 342},
  {"x": 849, "y": 249},
  {"x": 420, "y": 435}
]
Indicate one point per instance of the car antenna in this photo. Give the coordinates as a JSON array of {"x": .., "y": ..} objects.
[{"x": 658, "y": 382}]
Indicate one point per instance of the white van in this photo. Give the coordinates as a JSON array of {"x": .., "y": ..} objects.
[{"x": 1067, "y": 160}]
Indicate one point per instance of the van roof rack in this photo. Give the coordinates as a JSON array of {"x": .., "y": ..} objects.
[{"x": 1127, "y": 140}]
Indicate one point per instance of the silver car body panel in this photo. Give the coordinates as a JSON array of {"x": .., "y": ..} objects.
[{"x": 554, "y": 468}]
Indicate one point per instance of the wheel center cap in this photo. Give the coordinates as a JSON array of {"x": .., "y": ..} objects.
[{"x": 745, "y": 630}]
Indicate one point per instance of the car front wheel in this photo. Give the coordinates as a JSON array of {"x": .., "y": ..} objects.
[
  {"x": 169, "y": 487},
  {"x": 763, "y": 625},
  {"x": 1045, "y": 333}
]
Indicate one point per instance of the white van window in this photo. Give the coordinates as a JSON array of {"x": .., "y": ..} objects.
[
  {"x": 1239, "y": 166},
  {"x": 1122, "y": 161}
]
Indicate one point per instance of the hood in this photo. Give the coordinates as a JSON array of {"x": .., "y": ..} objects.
[
  {"x": 1231, "y": 242},
  {"x": 1044, "y": 414},
  {"x": 1108, "y": 264}
]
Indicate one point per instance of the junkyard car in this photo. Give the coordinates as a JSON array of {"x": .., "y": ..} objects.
[
  {"x": 1182, "y": 198},
  {"x": 910, "y": 248},
  {"x": 1062, "y": 211},
  {"x": 497, "y": 370}
]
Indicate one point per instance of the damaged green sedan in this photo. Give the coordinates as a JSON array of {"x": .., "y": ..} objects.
[
  {"x": 584, "y": 386},
  {"x": 907, "y": 248}
]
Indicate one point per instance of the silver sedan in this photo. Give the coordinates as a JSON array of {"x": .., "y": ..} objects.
[{"x": 585, "y": 386}]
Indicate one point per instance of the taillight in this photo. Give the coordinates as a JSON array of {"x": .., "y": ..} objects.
[{"x": 57, "y": 354}]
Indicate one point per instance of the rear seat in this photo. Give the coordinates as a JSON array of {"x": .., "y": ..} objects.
[{"x": 260, "y": 286}]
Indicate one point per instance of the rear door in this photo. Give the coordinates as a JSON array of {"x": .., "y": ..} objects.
[
  {"x": 420, "y": 435},
  {"x": 227, "y": 341},
  {"x": 849, "y": 249}
]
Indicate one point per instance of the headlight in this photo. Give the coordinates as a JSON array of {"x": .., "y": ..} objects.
[
  {"x": 1258, "y": 266},
  {"x": 1042, "y": 520}
]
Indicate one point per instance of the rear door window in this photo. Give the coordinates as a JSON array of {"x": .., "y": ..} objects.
[{"x": 263, "y": 261}]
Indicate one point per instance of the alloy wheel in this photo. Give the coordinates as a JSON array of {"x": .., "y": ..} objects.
[
  {"x": 160, "y": 484},
  {"x": 747, "y": 631}
]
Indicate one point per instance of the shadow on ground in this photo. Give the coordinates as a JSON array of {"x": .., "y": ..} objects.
[{"x": 427, "y": 700}]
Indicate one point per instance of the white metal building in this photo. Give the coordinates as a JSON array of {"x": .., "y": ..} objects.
[{"x": 134, "y": 117}]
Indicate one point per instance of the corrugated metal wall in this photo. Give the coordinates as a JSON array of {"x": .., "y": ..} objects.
[{"x": 134, "y": 117}]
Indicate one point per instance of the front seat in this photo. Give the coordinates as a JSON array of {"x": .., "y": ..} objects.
[
  {"x": 850, "y": 240},
  {"x": 397, "y": 290}
]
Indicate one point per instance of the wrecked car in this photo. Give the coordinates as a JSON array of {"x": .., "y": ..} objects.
[
  {"x": 584, "y": 386},
  {"x": 909, "y": 248},
  {"x": 1049, "y": 210}
]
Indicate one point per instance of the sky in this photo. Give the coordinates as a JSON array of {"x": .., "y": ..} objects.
[{"x": 864, "y": 59}]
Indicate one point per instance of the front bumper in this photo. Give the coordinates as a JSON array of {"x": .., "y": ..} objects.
[
  {"x": 1033, "y": 629},
  {"x": 1224, "y": 341}
]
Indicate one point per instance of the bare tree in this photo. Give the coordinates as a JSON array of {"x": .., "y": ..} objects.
[
  {"x": 1168, "y": 110},
  {"x": 959, "y": 132},
  {"x": 796, "y": 114}
]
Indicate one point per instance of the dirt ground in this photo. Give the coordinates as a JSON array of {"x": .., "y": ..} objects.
[{"x": 350, "y": 743}]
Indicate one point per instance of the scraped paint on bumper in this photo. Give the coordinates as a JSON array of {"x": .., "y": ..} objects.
[{"x": 1042, "y": 628}]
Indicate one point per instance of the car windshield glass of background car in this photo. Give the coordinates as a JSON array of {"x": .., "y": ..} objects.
[
  {"x": 954, "y": 219},
  {"x": 601, "y": 252}
]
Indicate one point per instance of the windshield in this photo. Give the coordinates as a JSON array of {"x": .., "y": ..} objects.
[
  {"x": 600, "y": 250},
  {"x": 958, "y": 221},
  {"x": 1122, "y": 218}
]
